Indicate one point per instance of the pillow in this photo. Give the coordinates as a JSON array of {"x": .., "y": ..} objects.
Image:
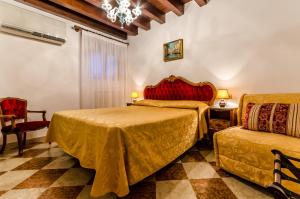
[
  {"x": 274, "y": 118},
  {"x": 189, "y": 104},
  {"x": 258, "y": 117},
  {"x": 293, "y": 123},
  {"x": 201, "y": 108}
]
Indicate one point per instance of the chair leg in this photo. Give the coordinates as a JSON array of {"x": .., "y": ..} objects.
[
  {"x": 24, "y": 139},
  {"x": 19, "y": 137},
  {"x": 4, "y": 143}
]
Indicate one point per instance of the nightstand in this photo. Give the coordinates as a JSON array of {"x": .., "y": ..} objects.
[
  {"x": 129, "y": 103},
  {"x": 220, "y": 118}
]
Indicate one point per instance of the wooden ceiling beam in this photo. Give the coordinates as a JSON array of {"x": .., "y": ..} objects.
[
  {"x": 94, "y": 12},
  {"x": 201, "y": 2},
  {"x": 150, "y": 11},
  {"x": 175, "y": 6},
  {"x": 75, "y": 17},
  {"x": 183, "y": 1},
  {"x": 94, "y": 2},
  {"x": 90, "y": 13},
  {"x": 141, "y": 22},
  {"x": 153, "y": 13}
]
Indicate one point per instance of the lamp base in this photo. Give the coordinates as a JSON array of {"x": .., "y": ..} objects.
[
  {"x": 222, "y": 103},
  {"x": 134, "y": 100}
]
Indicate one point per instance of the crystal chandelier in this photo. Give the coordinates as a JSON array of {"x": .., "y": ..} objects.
[{"x": 122, "y": 12}]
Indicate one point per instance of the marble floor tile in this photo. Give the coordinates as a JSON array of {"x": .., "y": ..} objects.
[
  {"x": 12, "y": 178},
  {"x": 63, "y": 162},
  {"x": 52, "y": 152},
  {"x": 49, "y": 173},
  {"x": 177, "y": 160},
  {"x": 45, "y": 146},
  {"x": 9, "y": 153},
  {"x": 192, "y": 156},
  {"x": 213, "y": 188},
  {"x": 2, "y": 192},
  {"x": 91, "y": 181},
  {"x": 194, "y": 148},
  {"x": 246, "y": 190},
  {"x": 74, "y": 177},
  {"x": 222, "y": 173},
  {"x": 35, "y": 163},
  {"x": 77, "y": 164},
  {"x": 142, "y": 190},
  {"x": 151, "y": 178},
  {"x": 179, "y": 189},
  {"x": 203, "y": 146},
  {"x": 85, "y": 194},
  {"x": 23, "y": 193},
  {"x": 61, "y": 192},
  {"x": 42, "y": 178},
  {"x": 200, "y": 170},
  {"x": 32, "y": 153},
  {"x": 209, "y": 155},
  {"x": 9, "y": 164},
  {"x": 173, "y": 171}
]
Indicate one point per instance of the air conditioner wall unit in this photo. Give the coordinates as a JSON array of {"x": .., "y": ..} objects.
[{"x": 24, "y": 23}]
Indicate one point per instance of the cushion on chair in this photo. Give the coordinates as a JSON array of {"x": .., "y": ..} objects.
[
  {"x": 13, "y": 106},
  {"x": 26, "y": 126}
]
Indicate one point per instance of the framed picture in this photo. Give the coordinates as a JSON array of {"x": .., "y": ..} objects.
[{"x": 173, "y": 50}]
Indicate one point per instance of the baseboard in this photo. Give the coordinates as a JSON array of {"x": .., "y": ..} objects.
[{"x": 30, "y": 135}]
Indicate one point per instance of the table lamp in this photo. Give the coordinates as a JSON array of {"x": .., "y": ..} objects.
[
  {"x": 222, "y": 94},
  {"x": 134, "y": 96}
]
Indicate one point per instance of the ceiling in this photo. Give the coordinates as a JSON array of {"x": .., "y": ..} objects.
[{"x": 89, "y": 13}]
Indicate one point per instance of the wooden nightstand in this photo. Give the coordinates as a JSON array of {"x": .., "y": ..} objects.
[
  {"x": 129, "y": 104},
  {"x": 220, "y": 118}
]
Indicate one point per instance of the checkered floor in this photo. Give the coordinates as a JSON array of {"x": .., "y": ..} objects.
[{"x": 45, "y": 173}]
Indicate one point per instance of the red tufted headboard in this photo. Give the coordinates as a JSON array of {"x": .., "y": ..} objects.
[{"x": 178, "y": 88}]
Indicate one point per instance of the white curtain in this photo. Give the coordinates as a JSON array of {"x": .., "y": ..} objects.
[{"x": 103, "y": 77}]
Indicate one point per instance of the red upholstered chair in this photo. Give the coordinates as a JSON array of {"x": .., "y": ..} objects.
[{"x": 13, "y": 110}]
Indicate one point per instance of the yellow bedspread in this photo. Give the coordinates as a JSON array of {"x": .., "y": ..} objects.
[{"x": 125, "y": 145}]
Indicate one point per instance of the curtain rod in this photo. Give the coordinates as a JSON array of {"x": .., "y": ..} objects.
[{"x": 78, "y": 28}]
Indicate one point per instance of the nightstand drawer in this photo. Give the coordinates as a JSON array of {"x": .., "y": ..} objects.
[{"x": 218, "y": 124}]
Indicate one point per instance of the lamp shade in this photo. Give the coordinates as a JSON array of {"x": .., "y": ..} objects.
[
  {"x": 134, "y": 95},
  {"x": 223, "y": 94}
]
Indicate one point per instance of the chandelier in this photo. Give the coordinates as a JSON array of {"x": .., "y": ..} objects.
[{"x": 122, "y": 12}]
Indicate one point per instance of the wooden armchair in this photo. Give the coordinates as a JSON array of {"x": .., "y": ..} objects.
[{"x": 13, "y": 110}]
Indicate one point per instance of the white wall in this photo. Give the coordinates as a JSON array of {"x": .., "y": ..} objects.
[
  {"x": 44, "y": 74},
  {"x": 246, "y": 46}
]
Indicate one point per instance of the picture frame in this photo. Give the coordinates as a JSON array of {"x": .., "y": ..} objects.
[{"x": 173, "y": 50}]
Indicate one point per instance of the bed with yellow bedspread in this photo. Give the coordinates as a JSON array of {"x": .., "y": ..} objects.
[{"x": 125, "y": 145}]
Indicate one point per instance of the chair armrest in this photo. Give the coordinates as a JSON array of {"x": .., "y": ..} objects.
[
  {"x": 43, "y": 112},
  {"x": 12, "y": 119}
]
